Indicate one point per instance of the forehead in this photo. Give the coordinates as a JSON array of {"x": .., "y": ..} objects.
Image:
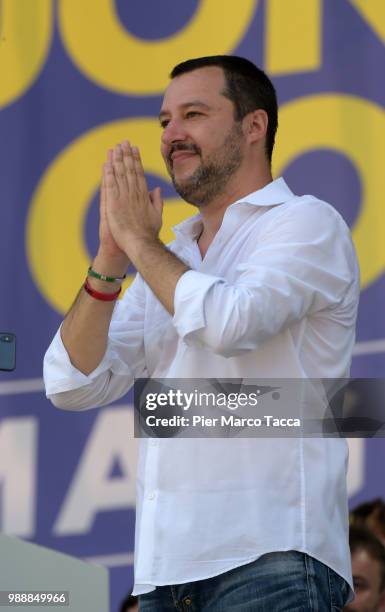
[{"x": 204, "y": 84}]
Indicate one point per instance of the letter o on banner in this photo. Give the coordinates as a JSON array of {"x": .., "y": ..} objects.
[
  {"x": 354, "y": 127},
  {"x": 56, "y": 249},
  {"x": 115, "y": 59},
  {"x": 25, "y": 32}
]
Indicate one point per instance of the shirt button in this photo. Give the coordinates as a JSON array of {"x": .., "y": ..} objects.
[
  {"x": 151, "y": 496},
  {"x": 187, "y": 601}
]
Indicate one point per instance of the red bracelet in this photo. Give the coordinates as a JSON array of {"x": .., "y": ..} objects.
[{"x": 104, "y": 297}]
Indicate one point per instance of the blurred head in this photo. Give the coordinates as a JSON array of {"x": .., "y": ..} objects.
[
  {"x": 371, "y": 515},
  {"x": 217, "y": 112},
  {"x": 368, "y": 566},
  {"x": 130, "y": 604}
]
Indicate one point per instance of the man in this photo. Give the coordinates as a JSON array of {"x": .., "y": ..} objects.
[
  {"x": 261, "y": 283},
  {"x": 368, "y": 565}
]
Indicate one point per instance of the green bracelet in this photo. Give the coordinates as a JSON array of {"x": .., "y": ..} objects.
[{"x": 103, "y": 277}]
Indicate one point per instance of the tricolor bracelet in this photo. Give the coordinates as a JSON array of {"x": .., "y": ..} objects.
[
  {"x": 103, "y": 277},
  {"x": 103, "y": 297}
]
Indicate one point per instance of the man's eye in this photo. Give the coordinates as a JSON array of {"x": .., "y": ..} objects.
[
  {"x": 164, "y": 123},
  {"x": 192, "y": 113}
]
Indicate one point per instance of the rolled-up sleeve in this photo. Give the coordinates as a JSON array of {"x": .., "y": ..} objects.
[
  {"x": 302, "y": 264},
  {"x": 124, "y": 360}
]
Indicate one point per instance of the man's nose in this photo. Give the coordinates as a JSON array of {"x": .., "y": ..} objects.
[{"x": 173, "y": 132}]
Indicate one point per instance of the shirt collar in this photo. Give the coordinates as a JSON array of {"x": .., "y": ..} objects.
[{"x": 275, "y": 192}]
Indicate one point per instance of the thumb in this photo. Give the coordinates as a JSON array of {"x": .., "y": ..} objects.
[{"x": 156, "y": 199}]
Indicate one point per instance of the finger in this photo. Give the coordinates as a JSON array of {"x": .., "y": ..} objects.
[
  {"x": 128, "y": 161},
  {"x": 102, "y": 207},
  {"x": 140, "y": 178},
  {"x": 111, "y": 185},
  {"x": 103, "y": 222},
  {"x": 110, "y": 155},
  {"x": 119, "y": 168},
  {"x": 102, "y": 192}
]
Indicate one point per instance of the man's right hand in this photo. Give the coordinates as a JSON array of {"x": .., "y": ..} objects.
[
  {"x": 85, "y": 329},
  {"x": 109, "y": 254}
]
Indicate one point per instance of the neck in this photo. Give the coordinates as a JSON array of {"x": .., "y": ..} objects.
[{"x": 238, "y": 187}]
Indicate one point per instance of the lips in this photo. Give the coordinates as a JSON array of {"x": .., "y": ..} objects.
[
  {"x": 180, "y": 152},
  {"x": 181, "y": 155}
]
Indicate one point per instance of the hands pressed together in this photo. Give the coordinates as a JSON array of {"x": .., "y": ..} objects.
[
  {"x": 130, "y": 221},
  {"x": 129, "y": 213}
]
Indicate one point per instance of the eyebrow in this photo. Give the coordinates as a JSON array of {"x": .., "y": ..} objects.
[
  {"x": 361, "y": 579},
  {"x": 184, "y": 106}
]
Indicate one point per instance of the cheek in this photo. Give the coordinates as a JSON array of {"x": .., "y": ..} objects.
[
  {"x": 365, "y": 598},
  {"x": 163, "y": 151}
]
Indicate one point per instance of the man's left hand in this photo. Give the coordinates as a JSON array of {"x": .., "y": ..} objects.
[
  {"x": 134, "y": 215},
  {"x": 134, "y": 219}
]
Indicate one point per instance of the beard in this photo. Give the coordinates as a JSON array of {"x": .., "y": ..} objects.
[{"x": 210, "y": 179}]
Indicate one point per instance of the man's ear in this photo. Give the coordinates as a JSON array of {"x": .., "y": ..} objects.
[{"x": 255, "y": 125}]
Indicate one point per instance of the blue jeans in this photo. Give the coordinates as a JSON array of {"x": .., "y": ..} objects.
[{"x": 276, "y": 582}]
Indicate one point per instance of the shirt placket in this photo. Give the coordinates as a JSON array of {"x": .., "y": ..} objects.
[{"x": 145, "y": 563}]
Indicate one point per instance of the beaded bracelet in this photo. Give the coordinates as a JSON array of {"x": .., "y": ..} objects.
[
  {"x": 98, "y": 295},
  {"x": 103, "y": 277}
]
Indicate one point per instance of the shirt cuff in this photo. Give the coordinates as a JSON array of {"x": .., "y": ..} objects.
[
  {"x": 189, "y": 298},
  {"x": 60, "y": 375}
]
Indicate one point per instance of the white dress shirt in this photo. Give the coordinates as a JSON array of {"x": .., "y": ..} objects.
[{"x": 275, "y": 296}]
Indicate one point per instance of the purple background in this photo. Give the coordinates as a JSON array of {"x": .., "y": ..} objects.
[{"x": 57, "y": 108}]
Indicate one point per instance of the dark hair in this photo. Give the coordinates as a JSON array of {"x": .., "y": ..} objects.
[
  {"x": 128, "y": 602},
  {"x": 371, "y": 514},
  {"x": 361, "y": 537},
  {"x": 247, "y": 86}
]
